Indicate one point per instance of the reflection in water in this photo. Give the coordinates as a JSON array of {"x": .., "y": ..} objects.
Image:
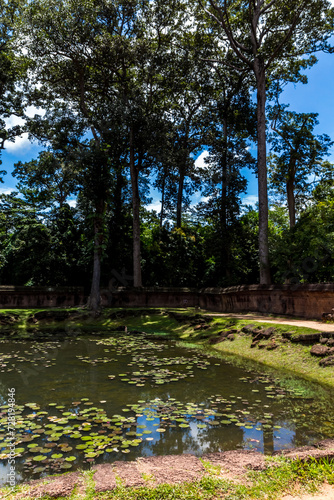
[{"x": 93, "y": 401}]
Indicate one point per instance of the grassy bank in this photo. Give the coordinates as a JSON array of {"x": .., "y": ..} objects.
[
  {"x": 285, "y": 477},
  {"x": 183, "y": 324}
]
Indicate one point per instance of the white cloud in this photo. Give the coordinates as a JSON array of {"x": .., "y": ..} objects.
[
  {"x": 14, "y": 120},
  {"x": 250, "y": 199},
  {"x": 31, "y": 111},
  {"x": 156, "y": 205},
  {"x": 4, "y": 190},
  {"x": 20, "y": 145},
  {"x": 72, "y": 203},
  {"x": 200, "y": 160}
]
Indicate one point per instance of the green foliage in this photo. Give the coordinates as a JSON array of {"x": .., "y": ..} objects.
[
  {"x": 38, "y": 247},
  {"x": 12, "y": 71},
  {"x": 296, "y": 159},
  {"x": 174, "y": 258},
  {"x": 305, "y": 253}
]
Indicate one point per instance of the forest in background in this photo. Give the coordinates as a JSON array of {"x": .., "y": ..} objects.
[{"x": 130, "y": 92}]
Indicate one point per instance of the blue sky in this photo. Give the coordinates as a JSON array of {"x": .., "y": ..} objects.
[{"x": 317, "y": 97}]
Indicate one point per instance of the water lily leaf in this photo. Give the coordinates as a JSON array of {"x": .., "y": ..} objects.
[
  {"x": 19, "y": 450},
  {"x": 39, "y": 458},
  {"x": 35, "y": 450},
  {"x": 81, "y": 446},
  {"x": 38, "y": 470},
  {"x": 66, "y": 466}
]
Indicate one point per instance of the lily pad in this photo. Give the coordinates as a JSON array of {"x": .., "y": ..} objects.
[{"x": 39, "y": 458}]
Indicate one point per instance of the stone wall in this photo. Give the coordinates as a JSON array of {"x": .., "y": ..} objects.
[
  {"x": 151, "y": 297},
  {"x": 305, "y": 301},
  {"x": 40, "y": 296}
]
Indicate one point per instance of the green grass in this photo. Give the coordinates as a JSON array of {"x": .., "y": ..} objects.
[
  {"x": 289, "y": 357},
  {"x": 281, "y": 477}
]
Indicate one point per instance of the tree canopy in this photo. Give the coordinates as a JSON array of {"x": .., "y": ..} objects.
[{"x": 133, "y": 93}]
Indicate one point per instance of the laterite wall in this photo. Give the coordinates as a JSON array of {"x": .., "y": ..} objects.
[
  {"x": 40, "y": 296},
  {"x": 305, "y": 301}
]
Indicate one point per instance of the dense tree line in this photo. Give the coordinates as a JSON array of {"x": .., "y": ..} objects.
[{"x": 131, "y": 93}]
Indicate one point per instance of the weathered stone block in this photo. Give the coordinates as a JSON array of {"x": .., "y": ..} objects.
[
  {"x": 327, "y": 361},
  {"x": 319, "y": 350}
]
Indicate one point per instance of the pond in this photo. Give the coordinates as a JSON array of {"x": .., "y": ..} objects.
[{"x": 101, "y": 399}]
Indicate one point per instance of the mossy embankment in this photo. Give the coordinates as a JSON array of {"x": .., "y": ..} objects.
[{"x": 277, "y": 346}]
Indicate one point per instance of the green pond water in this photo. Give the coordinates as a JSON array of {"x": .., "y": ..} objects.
[{"x": 100, "y": 399}]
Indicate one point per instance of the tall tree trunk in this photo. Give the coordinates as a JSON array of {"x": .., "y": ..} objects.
[
  {"x": 262, "y": 172},
  {"x": 179, "y": 197},
  {"x": 117, "y": 198},
  {"x": 116, "y": 227},
  {"x": 223, "y": 212},
  {"x": 225, "y": 250},
  {"x": 290, "y": 193},
  {"x": 137, "y": 279},
  {"x": 183, "y": 170},
  {"x": 162, "y": 198},
  {"x": 94, "y": 300}
]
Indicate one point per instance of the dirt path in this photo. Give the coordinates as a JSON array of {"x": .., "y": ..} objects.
[
  {"x": 317, "y": 325},
  {"x": 325, "y": 493}
]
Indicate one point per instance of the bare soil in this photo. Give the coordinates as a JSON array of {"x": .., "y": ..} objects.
[
  {"x": 173, "y": 469},
  {"x": 325, "y": 493}
]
